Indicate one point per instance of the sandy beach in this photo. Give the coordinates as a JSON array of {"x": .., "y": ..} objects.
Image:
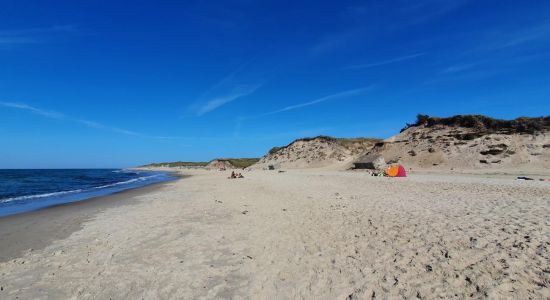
[{"x": 301, "y": 234}]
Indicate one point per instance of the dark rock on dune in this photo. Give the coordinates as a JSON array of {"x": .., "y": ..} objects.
[{"x": 492, "y": 152}]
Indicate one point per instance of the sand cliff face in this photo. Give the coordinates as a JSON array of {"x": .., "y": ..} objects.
[
  {"x": 425, "y": 147},
  {"x": 445, "y": 147},
  {"x": 317, "y": 152}
]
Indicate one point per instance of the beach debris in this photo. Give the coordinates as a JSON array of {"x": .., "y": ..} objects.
[
  {"x": 524, "y": 178},
  {"x": 429, "y": 268},
  {"x": 244, "y": 212}
]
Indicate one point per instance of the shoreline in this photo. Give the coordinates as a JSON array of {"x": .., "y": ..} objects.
[
  {"x": 39, "y": 228},
  {"x": 41, "y": 200}
]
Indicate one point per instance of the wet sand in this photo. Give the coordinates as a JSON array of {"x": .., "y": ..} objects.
[{"x": 35, "y": 230}]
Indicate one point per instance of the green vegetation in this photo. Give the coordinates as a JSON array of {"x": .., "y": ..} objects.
[
  {"x": 486, "y": 124},
  {"x": 275, "y": 150},
  {"x": 347, "y": 142},
  {"x": 241, "y": 162},
  {"x": 177, "y": 164},
  {"x": 236, "y": 162}
]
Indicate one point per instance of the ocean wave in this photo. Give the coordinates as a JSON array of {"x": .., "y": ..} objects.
[
  {"x": 126, "y": 182},
  {"x": 125, "y": 171},
  {"x": 40, "y": 195},
  {"x": 27, "y": 197}
]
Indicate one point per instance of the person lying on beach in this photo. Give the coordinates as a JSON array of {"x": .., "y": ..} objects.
[{"x": 235, "y": 175}]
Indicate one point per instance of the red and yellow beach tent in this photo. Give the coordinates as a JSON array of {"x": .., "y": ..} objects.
[{"x": 396, "y": 171}]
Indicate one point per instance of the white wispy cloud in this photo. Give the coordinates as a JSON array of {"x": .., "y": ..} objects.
[
  {"x": 343, "y": 94},
  {"x": 371, "y": 20},
  {"x": 332, "y": 42},
  {"x": 416, "y": 12},
  {"x": 10, "y": 37},
  {"x": 235, "y": 93},
  {"x": 240, "y": 83},
  {"x": 384, "y": 62},
  {"x": 504, "y": 39},
  {"x": 512, "y": 38},
  {"x": 458, "y": 68},
  {"x": 92, "y": 124},
  {"x": 97, "y": 125},
  {"x": 34, "y": 110}
]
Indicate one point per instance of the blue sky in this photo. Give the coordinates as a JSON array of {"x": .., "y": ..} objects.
[{"x": 122, "y": 83}]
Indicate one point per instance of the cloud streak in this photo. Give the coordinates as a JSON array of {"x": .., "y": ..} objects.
[
  {"x": 34, "y": 110},
  {"x": 235, "y": 93},
  {"x": 35, "y": 35},
  {"x": 384, "y": 62},
  {"x": 240, "y": 83},
  {"x": 458, "y": 68},
  {"x": 340, "y": 95},
  {"x": 514, "y": 38},
  {"x": 92, "y": 124}
]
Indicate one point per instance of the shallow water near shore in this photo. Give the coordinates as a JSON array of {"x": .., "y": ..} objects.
[{"x": 32, "y": 189}]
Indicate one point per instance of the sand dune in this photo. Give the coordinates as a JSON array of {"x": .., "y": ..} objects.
[
  {"x": 303, "y": 234},
  {"x": 445, "y": 148},
  {"x": 460, "y": 143},
  {"x": 317, "y": 152}
]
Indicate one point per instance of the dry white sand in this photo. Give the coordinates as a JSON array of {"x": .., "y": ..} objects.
[{"x": 303, "y": 234}]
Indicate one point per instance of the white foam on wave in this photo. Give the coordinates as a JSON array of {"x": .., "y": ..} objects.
[
  {"x": 125, "y": 171},
  {"x": 125, "y": 182},
  {"x": 40, "y": 195},
  {"x": 76, "y": 191}
]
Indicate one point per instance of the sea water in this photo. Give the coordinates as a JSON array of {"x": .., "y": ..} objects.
[{"x": 27, "y": 190}]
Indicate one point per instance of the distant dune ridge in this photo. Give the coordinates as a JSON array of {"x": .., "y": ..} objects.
[
  {"x": 218, "y": 163},
  {"x": 231, "y": 163},
  {"x": 461, "y": 142}
]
